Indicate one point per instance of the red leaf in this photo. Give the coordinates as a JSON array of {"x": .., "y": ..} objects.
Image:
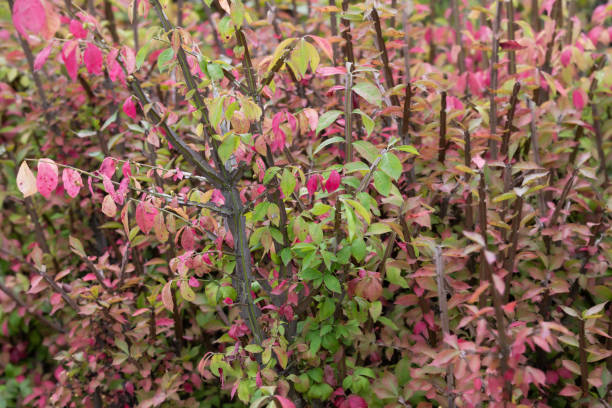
[
  {"x": 29, "y": 15},
  {"x": 72, "y": 182},
  {"x": 579, "y": 98},
  {"x": 93, "y": 59},
  {"x": 333, "y": 181},
  {"x": 42, "y": 56},
  {"x": 145, "y": 216},
  {"x": 46, "y": 179},
  {"x": 188, "y": 239},
  {"x": 511, "y": 45},
  {"x": 70, "y": 58},
  {"x": 129, "y": 108},
  {"x": 312, "y": 184}
]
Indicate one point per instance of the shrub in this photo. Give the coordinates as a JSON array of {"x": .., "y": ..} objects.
[{"x": 308, "y": 203}]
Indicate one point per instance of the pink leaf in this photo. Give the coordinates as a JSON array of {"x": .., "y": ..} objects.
[
  {"x": 72, "y": 182},
  {"x": 76, "y": 28},
  {"x": 126, "y": 170},
  {"x": 333, "y": 181},
  {"x": 325, "y": 46},
  {"x": 29, "y": 15},
  {"x": 70, "y": 58},
  {"x": 354, "y": 401},
  {"x": 579, "y": 97},
  {"x": 109, "y": 208},
  {"x": 327, "y": 71},
  {"x": 114, "y": 69},
  {"x": 46, "y": 179},
  {"x": 193, "y": 282},
  {"x": 284, "y": 402},
  {"x": 42, "y": 56},
  {"x": 93, "y": 59},
  {"x": 129, "y": 108},
  {"x": 108, "y": 167},
  {"x": 566, "y": 56},
  {"x": 129, "y": 59},
  {"x": 145, "y": 216}
]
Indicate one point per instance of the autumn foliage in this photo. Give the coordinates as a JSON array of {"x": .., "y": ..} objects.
[{"x": 305, "y": 203}]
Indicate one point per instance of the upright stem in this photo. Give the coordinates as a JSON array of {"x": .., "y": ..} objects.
[
  {"x": 511, "y": 28},
  {"x": 493, "y": 88},
  {"x": 442, "y": 136},
  {"x": 380, "y": 41},
  {"x": 444, "y": 320},
  {"x": 348, "y": 116},
  {"x": 497, "y": 305},
  {"x": 509, "y": 120},
  {"x": 334, "y": 30},
  {"x": 456, "y": 22},
  {"x": 348, "y": 39},
  {"x": 135, "y": 25}
]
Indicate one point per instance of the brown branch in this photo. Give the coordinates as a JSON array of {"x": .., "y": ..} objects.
[
  {"x": 382, "y": 48},
  {"x": 509, "y": 120},
  {"x": 493, "y": 88},
  {"x": 444, "y": 319},
  {"x": 442, "y": 145},
  {"x": 35, "y": 313}
]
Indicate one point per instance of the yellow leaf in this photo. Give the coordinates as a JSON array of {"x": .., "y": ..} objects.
[{"x": 26, "y": 182}]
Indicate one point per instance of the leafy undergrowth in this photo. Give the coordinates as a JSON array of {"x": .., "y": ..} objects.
[{"x": 305, "y": 204}]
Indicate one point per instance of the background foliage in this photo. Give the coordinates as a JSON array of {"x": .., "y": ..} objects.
[{"x": 305, "y": 203}]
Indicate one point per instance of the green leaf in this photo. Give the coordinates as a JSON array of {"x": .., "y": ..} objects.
[
  {"x": 332, "y": 283},
  {"x": 287, "y": 183},
  {"x": 141, "y": 55},
  {"x": 186, "y": 292},
  {"x": 360, "y": 209},
  {"x": 382, "y": 182},
  {"x": 378, "y": 228},
  {"x": 216, "y": 111},
  {"x": 358, "y": 249},
  {"x": 253, "y": 348},
  {"x": 369, "y": 92},
  {"x": 310, "y": 274},
  {"x": 391, "y": 165},
  {"x": 327, "y": 119},
  {"x": 407, "y": 149},
  {"x": 366, "y": 149},
  {"x": 327, "y": 142},
  {"x": 319, "y": 209},
  {"x": 368, "y": 122},
  {"x": 505, "y": 196},
  {"x": 229, "y": 146},
  {"x": 388, "y": 322},
  {"x": 270, "y": 173},
  {"x": 375, "y": 310},
  {"x": 164, "y": 58},
  {"x": 327, "y": 308}
]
